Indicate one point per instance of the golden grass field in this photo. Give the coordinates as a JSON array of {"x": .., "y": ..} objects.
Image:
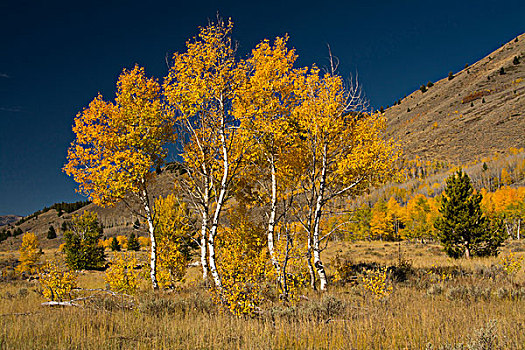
[{"x": 443, "y": 304}]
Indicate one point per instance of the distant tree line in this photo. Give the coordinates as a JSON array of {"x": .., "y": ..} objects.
[
  {"x": 59, "y": 207},
  {"x": 5, "y": 233}
]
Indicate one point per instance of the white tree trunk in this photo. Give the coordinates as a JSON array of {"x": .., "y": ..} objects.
[
  {"x": 204, "y": 260},
  {"x": 318, "y": 264},
  {"x": 151, "y": 228},
  {"x": 309, "y": 262},
  {"x": 215, "y": 223},
  {"x": 271, "y": 226},
  {"x": 204, "y": 229}
]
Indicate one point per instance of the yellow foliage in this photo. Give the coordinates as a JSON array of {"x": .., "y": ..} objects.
[
  {"x": 122, "y": 275},
  {"x": 511, "y": 263},
  {"x": 122, "y": 241},
  {"x": 29, "y": 254},
  {"x": 506, "y": 179},
  {"x": 242, "y": 263},
  {"x": 145, "y": 242},
  {"x": 376, "y": 281},
  {"x": 440, "y": 275},
  {"x": 174, "y": 231},
  {"x": 117, "y": 144},
  {"x": 501, "y": 200},
  {"x": 295, "y": 247},
  {"x": 387, "y": 219},
  {"x": 57, "y": 282}
]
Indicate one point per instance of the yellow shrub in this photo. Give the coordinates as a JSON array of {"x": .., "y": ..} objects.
[
  {"x": 145, "y": 242},
  {"x": 297, "y": 275},
  {"x": 121, "y": 275},
  {"x": 174, "y": 232},
  {"x": 511, "y": 263},
  {"x": 123, "y": 241},
  {"x": 171, "y": 263},
  {"x": 376, "y": 281},
  {"x": 56, "y": 282},
  {"x": 242, "y": 261}
]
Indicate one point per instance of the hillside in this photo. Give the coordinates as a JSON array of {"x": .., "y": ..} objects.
[
  {"x": 478, "y": 113},
  {"x": 117, "y": 220},
  {"x": 8, "y": 219}
]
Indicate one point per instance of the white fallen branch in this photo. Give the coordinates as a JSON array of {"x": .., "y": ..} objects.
[{"x": 60, "y": 303}]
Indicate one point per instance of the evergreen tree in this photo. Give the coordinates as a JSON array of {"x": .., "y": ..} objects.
[
  {"x": 17, "y": 232},
  {"x": 463, "y": 229},
  {"x": 51, "y": 233},
  {"x": 81, "y": 243},
  {"x": 115, "y": 245},
  {"x": 3, "y": 235},
  {"x": 133, "y": 242}
]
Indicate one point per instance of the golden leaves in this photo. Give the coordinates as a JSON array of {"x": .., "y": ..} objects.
[
  {"x": 29, "y": 254},
  {"x": 118, "y": 144}
]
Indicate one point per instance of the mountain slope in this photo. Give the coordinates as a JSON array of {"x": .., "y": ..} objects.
[
  {"x": 481, "y": 111},
  {"x": 8, "y": 219}
]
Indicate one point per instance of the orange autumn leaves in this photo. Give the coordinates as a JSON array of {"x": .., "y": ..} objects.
[{"x": 118, "y": 143}]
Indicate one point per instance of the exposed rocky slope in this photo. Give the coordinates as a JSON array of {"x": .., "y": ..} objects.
[{"x": 481, "y": 111}]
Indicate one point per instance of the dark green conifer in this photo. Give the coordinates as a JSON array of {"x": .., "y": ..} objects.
[
  {"x": 133, "y": 242},
  {"x": 463, "y": 229},
  {"x": 115, "y": 245},
  {"x": 51, "y": 233}
]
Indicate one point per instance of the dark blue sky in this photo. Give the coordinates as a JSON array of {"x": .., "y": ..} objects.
[{"x": 57, "y": 55}]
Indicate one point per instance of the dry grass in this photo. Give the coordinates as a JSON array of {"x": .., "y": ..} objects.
[{"x": 422, "y": 310}]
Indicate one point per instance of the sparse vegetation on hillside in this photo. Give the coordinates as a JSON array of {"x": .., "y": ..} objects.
[{"x": 59, "y": 207}]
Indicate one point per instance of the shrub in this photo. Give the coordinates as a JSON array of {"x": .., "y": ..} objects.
[
  {"x": 450, "y": 75},
  {"x": 376, "y": 281},
  {"x": 122, "y": 275},
  {"x": 242, "y": 261},
  {"x": 56, "y": 282},
  {"x": 430, "y": 84},
  {"x": 516, "y": 60},
  {"x": 474, "y": 96},
  {"x": 423, "y": 88},
  {"x": 435, "y": 289},
  {"x": 502, "y": 71},
  {"x": 511, "y": 264},
  {"x": 175, "y": 230}
]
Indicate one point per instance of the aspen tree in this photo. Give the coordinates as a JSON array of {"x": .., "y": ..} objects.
[
  {"x": 119, "y": 144},
  {"x": 201, "y": 86},
  {"x": 266, "y": 101},
  {"x": 345, "y": 152}
]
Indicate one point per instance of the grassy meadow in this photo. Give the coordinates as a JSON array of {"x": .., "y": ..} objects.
[{"x": 436, "y": 303}]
